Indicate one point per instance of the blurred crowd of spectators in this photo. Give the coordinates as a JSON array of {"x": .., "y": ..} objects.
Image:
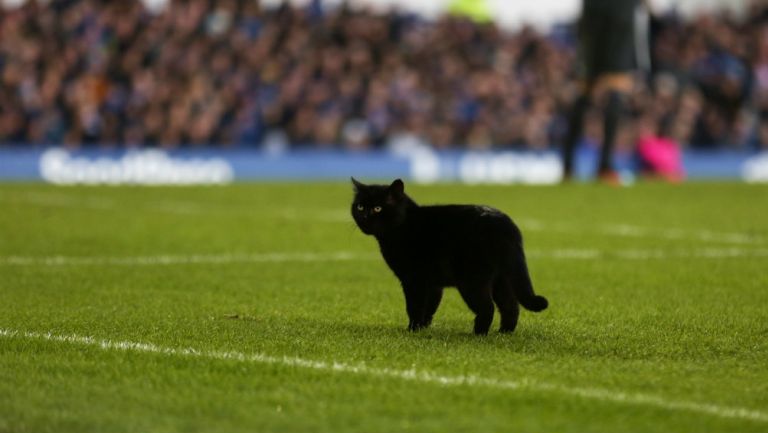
[{"x": 231, "y": 72}]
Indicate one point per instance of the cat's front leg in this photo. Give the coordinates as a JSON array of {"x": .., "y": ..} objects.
[
  {"x": 415, "y": 303},
  {"x": 432, "y": 298}
]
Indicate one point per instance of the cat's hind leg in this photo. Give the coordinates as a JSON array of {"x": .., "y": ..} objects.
[
  {"x": 478, "y": 299},
  {"x": 509, "y": 309}
]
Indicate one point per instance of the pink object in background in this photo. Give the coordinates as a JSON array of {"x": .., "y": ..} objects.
[{"x": 662, "y": 157}]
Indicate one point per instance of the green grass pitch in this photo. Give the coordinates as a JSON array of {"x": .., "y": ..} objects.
[{"x": 261, "y": 307}]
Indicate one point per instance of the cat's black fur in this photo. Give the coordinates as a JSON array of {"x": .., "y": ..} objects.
[{"x": 477, "y": 249}]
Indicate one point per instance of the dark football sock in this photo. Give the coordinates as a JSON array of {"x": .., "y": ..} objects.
[
  {"x": 613, "y": 111},
  {"x": 575, "y": 129}
]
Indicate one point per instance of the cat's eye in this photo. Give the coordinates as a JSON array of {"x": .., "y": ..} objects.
[
  {"x": 360, "y": 207},
  {"x": 377, "y": 209}
]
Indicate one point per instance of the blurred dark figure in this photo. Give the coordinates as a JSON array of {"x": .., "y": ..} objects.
[{"x": 611, "y": 48}]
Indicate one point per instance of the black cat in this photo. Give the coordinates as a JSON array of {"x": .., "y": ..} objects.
[{"x": 476, "y": 249}]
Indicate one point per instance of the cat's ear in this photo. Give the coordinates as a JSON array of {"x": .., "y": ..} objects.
[
  {"x": 358, "y": 186},
  {"x": 397, "y": 188}
]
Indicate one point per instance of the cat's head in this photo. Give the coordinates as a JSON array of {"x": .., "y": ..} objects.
[{"x": 378, "y": 209}]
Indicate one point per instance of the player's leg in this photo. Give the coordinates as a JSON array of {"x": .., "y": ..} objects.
[
  {"x": 575, "y": 130},
  {"x": 615, "y": 89}
]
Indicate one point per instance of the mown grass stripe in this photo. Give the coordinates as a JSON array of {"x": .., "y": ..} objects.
[
  {"x": 180, "y": 207},
  {"x": 605, "y": 395},
  {"x": 556, "y": 254}
]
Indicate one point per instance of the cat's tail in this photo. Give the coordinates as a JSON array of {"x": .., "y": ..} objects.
[{"x": 522, "y": 285}]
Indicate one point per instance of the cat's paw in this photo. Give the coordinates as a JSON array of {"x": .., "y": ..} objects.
[
  {"x": 481, "y": 329},
  {"x": 414, "y": 326}
]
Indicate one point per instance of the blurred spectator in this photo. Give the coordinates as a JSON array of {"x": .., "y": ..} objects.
[{"x": 229, "y": 72}]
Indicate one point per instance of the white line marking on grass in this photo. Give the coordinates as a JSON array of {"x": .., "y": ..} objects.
[
  {"x": 186, "y": 208},
  {"x": 337, "y": 256},
  {"x": 627, "y": 230},
  {"x": 679, "y": 234},
  {"x": 183, "y": 260},
  {"x": 63, "y": 200},
  {"x": 639, "y": 254},
  {"x": 323, "y": 215},
  {"x": 636, "y": 399}
]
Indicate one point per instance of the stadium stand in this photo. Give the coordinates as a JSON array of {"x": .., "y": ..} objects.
[{"x": 231, "y": 73}]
